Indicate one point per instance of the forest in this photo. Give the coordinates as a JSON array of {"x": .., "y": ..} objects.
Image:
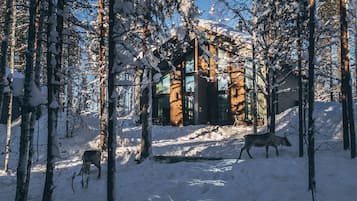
[{"x": 163, "y": 99}]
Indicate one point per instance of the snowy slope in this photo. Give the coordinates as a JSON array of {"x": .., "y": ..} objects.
[{"x": 275, "y": 179}]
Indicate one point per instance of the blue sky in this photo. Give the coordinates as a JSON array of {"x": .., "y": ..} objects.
[{"x": 205, "y": 6}]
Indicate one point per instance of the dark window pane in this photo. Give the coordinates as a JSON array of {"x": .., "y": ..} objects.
[
  {"x": 223, "y": 81},
  {"x": 190, "y": 83},
  {"x": 190, "y": 64},
  {"x": 163, "y": 87},
  {"x": 222, "y": 62},
  {"x": 223, "y": 110}
]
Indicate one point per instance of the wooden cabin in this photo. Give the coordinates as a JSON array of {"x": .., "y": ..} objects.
[{"x": 209, "y": 84}]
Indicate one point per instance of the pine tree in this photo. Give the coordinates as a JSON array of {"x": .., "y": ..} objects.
[
  {"x": 4, "y": 48},
  {"x": 103, "y": 75},
  {"x": 347, "y": 107},
  {"x": 25, "y": 158},
  {"x": 111, "y": 107},
  {"x": 311, "y": 140},
  {"x": 54, "y": 53}
]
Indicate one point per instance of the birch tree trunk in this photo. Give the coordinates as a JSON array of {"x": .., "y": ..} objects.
[
  {"x": 53, "y": 63},
  {"x": 39, "y": 40},
  {"x": 311, "y": 140},
  {"x": 254, "y": 106},
  {"x": 299, "y": 47},
  {"x": 4, "y": 47},
  {"x": 111, "y": 107},
  {"x": 25, "y": 152},
  {"x": 11, "y": 66}
]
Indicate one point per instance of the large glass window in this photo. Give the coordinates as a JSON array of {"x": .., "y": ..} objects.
[
  {"x": 163, "y": 86},
  {"x": 223, "y": 108},
  {"x": 190, "y": 64},
  {"x": 189, "y": 88},
  {"x": 189, "y": 109},
  {"x": 163, "y": 112},
  {"x": 222, "y": 60},
  {"x": 189, "y": 83},
  {"x": 161, "y": 102},
  {"x": 223, "y": 81}
]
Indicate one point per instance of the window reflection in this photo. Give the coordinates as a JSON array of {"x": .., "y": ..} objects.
[
  {"x": 222, "y": 62},
  {"x": 189, "y": 83},
  {"x": 190, "y": 65},
  {"x": 163, "y": 87}
]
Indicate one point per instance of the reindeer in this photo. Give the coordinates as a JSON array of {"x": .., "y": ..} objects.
[
  {"x": 90, "y": 157},
  {"x": 260, "y": 140}
]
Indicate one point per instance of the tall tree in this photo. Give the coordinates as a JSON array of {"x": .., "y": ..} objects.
[
  {"x": 24, "y": 165},
  {"x": 355, "y": 36},
  {"x": 311, "y": 74},
  {"x": 103, "y": 73},
  {"x": 54, "y": 54},
  {"x": 299, "y": 24},
  {"x": 4, "y": 48},
  {"x": 146, "y": 110},
  {"x": 112, "y": 106},
  {"x": 11, "y": 68},
  {"x": 346, "y": 79},
  {"x": 254, "y": 78}
]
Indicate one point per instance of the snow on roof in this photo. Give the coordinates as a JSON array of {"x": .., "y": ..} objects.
[{"x": 223, "y": 29}]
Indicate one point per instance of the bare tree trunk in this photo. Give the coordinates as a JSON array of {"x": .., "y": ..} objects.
[
  {"x": 301, "y": 119},
  {"x": 111, "y": 108},
  {"x": 355, "y": 24},
  {"x": 53, "y": 69},
  {"x": 343, "y": 96},
  {"x": 4, "y": 47},
  {"x": 254, "y": 106},
  {"x": 103, "y": 76},
  {"x": 137, "y": 92},
  {"x": 69, "y": 111},
  {"x": 331, "y": 68},
  {"x": 311, "y": 140},
  {"x": 346, "y": 78},
  {"x": 25, "y": 157},
  {"x": 146, "y": 106},
  {"x": 11, "y": 66},
  {"x": 39, "y": 40}
]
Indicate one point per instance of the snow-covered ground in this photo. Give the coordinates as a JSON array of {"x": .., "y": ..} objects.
[{"x": 282, "y": 178}]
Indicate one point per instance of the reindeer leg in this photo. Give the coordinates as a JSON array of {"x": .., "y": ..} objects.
[
  {"x": 87, "y": 181},
  {"x": 267, "y": 151},
  {"x": 82, "y": 181},
  {"x": 249, "y": 153},
  {"x": 99, "y": 170},
  {"x": 241, "y": 150},
  {"x": 276, "y": 150}
]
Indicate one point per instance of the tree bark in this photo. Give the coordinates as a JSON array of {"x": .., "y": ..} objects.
[
  {"x": 311, "y": 140},
  {"x": 111, "y": 108},
  {"x": 53, "y": 69},
  {"x": 103, "y": 76},
  {"x": 299, "y": 47},
  {"x": 346, "y": 79},
  {"x": 4, "y": 47},
  {"x": 146, "y": 105},
  {"x": 11, "y": 66},
  {"x": 355, "y": 26},
  {"x": 254, "y": 106},
  {"x": 39, "y": 40},
  {"x": 25, "y": 157}
]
